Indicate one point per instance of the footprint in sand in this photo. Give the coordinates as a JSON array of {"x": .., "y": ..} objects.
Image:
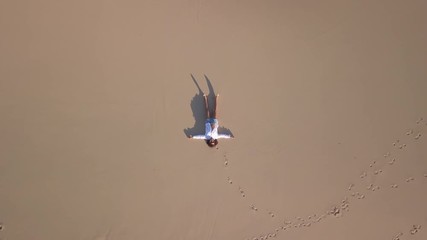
[
  {"x": 336, "y": 212},
  {"x": 254, "y": 208},
  {"x": 417, "y": 136},
  {"x": 270, "y": 235},
  {"x": 361, "y": 196},
  {"x": 398, "y": 236},
  {"x": 363, "y": 175},
  {"x": 409, "y": 179},
  {"x": 225, "y": 160},
  {"x": 402, "y": 146},
  {"x": 415, "y": 229},
  {"x": 242, "y": 192},
  {"x": 229, "y": 180},
  {"x": 392, "y": 161}
]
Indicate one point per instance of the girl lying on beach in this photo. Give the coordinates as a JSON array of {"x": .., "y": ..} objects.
[{"x": 211, "y": 126}]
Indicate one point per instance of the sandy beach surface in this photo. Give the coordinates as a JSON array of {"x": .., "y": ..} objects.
[{"x": 327, "y": 101}]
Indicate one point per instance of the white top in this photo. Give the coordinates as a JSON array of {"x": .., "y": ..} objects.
[{"x": 211, "y": 133}]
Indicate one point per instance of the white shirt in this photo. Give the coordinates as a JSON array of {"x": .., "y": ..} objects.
[{"x": 211, "y": 133}]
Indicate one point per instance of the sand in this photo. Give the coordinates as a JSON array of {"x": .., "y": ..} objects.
[{"x": 327, "y": 101}]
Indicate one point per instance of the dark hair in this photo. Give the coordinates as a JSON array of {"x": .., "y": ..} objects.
[{"x": 212, "y": 142}]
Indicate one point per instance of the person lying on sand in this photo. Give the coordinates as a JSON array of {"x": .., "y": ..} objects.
[{"x": 211, "y": 126}]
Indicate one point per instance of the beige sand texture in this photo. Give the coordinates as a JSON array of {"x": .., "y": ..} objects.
[{"x": 327, "y": 101}]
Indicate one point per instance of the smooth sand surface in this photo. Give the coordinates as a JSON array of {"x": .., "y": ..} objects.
[{"x": 327, "y": 101}]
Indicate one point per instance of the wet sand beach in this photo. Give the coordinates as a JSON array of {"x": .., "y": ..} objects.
[{"x": 327, "y": 101}]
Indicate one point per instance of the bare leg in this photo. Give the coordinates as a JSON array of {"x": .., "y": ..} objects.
[
  {"x": 216, "y": 106},
  {"x": 207, "y": 106}
]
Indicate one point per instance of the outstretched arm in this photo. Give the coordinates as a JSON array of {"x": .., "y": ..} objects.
[
  {"x": 198, "y": 137},
  {"x": 225, "y": 136}
]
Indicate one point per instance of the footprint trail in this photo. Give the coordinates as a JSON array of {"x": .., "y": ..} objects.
[{"x": 363, "y": 188}]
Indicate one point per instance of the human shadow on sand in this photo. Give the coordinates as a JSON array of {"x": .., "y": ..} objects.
[{"x": 197, "y": 105}]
